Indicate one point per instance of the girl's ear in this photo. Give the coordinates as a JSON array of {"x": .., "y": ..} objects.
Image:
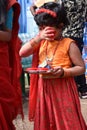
[{"x": 61, "y": 25}]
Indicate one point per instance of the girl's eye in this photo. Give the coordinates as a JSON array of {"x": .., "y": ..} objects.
[{"x": 41, "y": 28}]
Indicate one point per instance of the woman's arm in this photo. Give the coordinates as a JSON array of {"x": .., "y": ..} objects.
[
  {"x": 5, "y": 35},
  {"x": 32, "y": 9}
]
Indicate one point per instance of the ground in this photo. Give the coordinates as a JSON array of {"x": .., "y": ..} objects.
[{"x": 26, "y": 125}]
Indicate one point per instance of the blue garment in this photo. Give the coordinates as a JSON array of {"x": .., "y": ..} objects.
[
  {"x": 9, "y": 19},
  {"x": 28, "y": 29},
  {"x": 23, "y": 18},
  {"x": 85, "y": 45},
  {"x": 26, "y": 21},
  {"x": 85, "y": 34}
]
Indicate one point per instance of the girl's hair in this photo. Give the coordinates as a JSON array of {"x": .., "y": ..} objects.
[
  {"x": 3, "y": 13},
  {"x": 43, "y": 17}
]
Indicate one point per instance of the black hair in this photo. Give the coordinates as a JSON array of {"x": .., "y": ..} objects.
[
  {"x": 46, "y": 19},
  {"x": 3, "y": 13}
]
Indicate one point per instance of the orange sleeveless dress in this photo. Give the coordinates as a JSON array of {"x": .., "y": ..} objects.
[{"x": 54, "y": 102}]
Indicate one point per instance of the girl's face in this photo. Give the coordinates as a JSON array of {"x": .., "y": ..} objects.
[
  {"x": 53, "y": 32},
  {"x": 58, "y": 32}
]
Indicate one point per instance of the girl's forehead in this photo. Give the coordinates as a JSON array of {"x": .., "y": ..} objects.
[{"x": 52, "y": 27}]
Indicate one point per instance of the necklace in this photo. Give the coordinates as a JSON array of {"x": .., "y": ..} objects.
[{"x": 48, "y": 61}]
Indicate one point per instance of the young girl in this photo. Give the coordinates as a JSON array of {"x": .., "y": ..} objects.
[
  {"x": 53, "y": 101},
  {"x": 10, "y": 94}
]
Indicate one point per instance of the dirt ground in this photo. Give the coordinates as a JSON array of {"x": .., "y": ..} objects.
[{"x": 26, "y": 125}]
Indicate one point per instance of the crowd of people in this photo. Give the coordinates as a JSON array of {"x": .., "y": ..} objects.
[{"x": 53, "y": 97}]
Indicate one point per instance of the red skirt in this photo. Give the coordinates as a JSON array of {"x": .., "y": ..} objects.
[{"x": 58, "y": 105}]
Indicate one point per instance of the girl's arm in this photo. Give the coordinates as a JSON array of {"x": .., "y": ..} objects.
[
  {"x": 28, "y": 48},
  {"x": 76, "y": 58},
  {"x": 78, "y": 67}
]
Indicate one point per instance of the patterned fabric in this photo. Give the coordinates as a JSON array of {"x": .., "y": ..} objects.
[{"x": 76, "y": 12}]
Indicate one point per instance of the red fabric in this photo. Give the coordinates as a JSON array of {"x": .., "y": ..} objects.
[
  {"x": 10, "y": 70},
  {"x": 3, "y": 123},
  {"x": 58, "y": 106},
  {"x": 14, "y": 47},
  {"x": 54, "y": 103},
  {"x": 33, "y": 89}
]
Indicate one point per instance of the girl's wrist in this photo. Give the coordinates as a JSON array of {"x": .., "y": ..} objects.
[
  {"x": 62, "y": 75},
  {"x": 65, "y": 73},
  {"x": 38, "y": 38},
  {"x": 34, "y": 42}
]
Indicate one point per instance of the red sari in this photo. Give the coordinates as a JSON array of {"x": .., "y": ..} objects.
[
  {"x": 54, "y": 102},
  {"x": 10, "y": 70}
]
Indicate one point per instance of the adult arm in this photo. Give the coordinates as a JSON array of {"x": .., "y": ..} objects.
[
  {"x": 32, "y": 9},
  {"x": 5, "y": 35}
]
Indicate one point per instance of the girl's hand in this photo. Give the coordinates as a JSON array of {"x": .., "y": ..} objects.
[
  {"x": 57, "y": 71},
  {"x": 47, "y": 33}
]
